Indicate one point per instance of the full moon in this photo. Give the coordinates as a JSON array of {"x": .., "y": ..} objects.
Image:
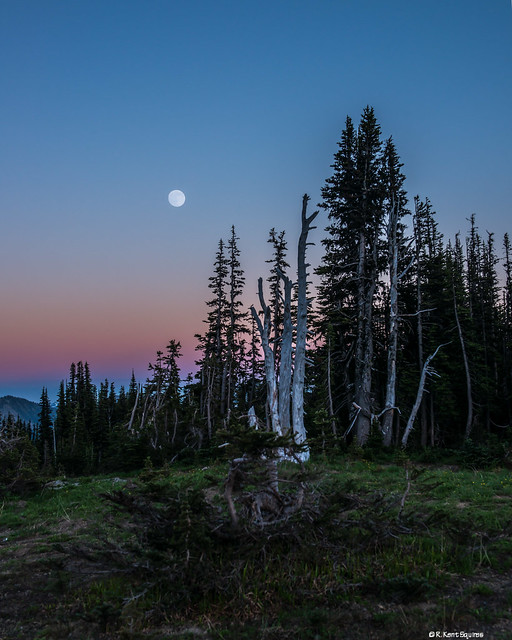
[{"x": 176, "y": 198}]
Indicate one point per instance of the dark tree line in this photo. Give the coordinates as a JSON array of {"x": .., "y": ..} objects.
[
  {"x": 410, "y": 345},
  {"x": 392, "y": 295}
]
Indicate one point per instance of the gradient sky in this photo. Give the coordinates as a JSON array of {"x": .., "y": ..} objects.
[{"x": 108, "y": 105}]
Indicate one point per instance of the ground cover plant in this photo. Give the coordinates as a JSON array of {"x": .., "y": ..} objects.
[{"x": 370, "y": 550}]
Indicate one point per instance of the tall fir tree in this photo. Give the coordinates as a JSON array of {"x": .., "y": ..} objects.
[
  {"x": 46, "y": 434},
  {"x": 279, "y": 266},
  {"x": 235, "y": 326},
  {"x": 395, "y": 204},
  {"x": 353, "y": 260},
  {"x": 212, "y": 345}
]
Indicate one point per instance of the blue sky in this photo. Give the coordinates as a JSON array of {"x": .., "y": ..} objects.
[{"x": 108, "y": 105}]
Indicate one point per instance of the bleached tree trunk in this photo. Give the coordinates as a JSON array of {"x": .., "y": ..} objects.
[
  {"x": 270, "y": 373},
  {"x": 360, "y": 397},
  {"x": 278, "y": 395},
  {"x": 469, "y": 394},
  {"x": 426, "y": 371},
  {"x": 134, "y": 410},
  {"x": 387, "y": 422},
  {"x": 300, "y": 344},
  {"x": 394, "y": 282},
  {"x": 175, "y": 429},
  {"x": 253, "y": 420},
  {"x": 285, "y": 364},
  {"x": 419, "y": 301}
]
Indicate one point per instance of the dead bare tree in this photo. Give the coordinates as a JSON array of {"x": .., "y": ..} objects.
[
  {"x": 270, "y": 373},
  {"x": 302, "y": 328},
  {"x": 285, "y": 363},
  {"x": 469, "y": 419},
  {"x": 280, "y": 393},
  {"x": 388, "y": 419},
  {"x": 427, "y": 370}
]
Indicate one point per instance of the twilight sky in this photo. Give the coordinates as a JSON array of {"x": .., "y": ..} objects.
[{"x": 108, "y": 105}]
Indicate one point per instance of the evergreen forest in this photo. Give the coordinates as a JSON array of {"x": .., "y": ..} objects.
[{"x": 408, "y": 347}]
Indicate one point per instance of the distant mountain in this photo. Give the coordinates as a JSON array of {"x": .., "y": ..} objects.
[{"x": 25, "y": 409}]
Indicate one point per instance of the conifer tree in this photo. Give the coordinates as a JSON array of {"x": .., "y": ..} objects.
[
  {"x": 457, "y": 269},
  {"x": 61, "y": 424},
  {"x": 354, "y": 198},
  {"x": 161, "y": 402},
  {"x": 507, "y": 332},
  {"x": 235, "y": 325},
  {"x": 429, "y": 298},
  {"x": 212, "y": 343},
  {"x": 395, "y": 203},
  {"x": 223, "y": 344},
  {"x": 46, "y": 439},
  {"x": 279, "y": 265}
]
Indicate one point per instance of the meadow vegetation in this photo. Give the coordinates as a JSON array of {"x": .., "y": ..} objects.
[{"x": 373, "y": 549}]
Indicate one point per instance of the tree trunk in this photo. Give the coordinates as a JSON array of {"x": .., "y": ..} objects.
[
  {"x": 362, "y": 375},
  {"x": 469, "y": 419},
  {"x": 387, "y": 423},
  {"x": 300, "y": 342},
  {"x": 419, "y": 326},
  {"x": 419, "y": 396},
  {"x": 364, "y": 348},
  {"x": 285, "y": 364},
  {"x": 329, "y": 389},
  {"x": 270, "y": 374}
]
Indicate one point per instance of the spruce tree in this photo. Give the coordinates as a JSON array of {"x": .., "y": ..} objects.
[
  {"x": 507, "y": 333},
  {"x": 235, "y": 325},
  {"x": 279, "y": 265},
  {"x": 161, "y": 402},
  {"x": 46, "y": 439},
  {"x": 395, "y": 203},
  {"x": 62, "y": 424},
  {"x": 212, "y": 344},
  {"x": 354, "y": 198}
]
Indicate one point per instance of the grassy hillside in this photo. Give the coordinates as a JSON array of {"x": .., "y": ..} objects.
[{"x": 368, "y": 551}]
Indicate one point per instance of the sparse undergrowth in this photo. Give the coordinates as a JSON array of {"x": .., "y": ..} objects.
[{"x": 373, "y": 552}]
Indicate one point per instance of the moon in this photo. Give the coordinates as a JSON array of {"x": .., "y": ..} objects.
[{"x": 176, "y": 198}]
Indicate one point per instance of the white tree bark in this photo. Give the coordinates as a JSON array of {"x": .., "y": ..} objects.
[
  {"x": 300, "y": 344},
  {"x": 469, "y": 419},
  {"x": 419, "y": 312},
  {"x": 285, "y": 364},
  {"x": 394, "y": 281},
  {"x": 292, "y": 369},
  {"x": 426, "y": 371},
  {"x": 270, "y": 373},
  {"x": 364, "y": 342},
  {"x": 387, "y": 423},
  {"x": 253, "y": 420},
  {"x": 132, "y": 417}
]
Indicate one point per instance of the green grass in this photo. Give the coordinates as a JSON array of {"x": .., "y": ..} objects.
[{"x": 353, "y": 558}]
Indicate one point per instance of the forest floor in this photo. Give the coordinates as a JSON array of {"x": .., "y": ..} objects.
[{"x": 374, "y": 551}]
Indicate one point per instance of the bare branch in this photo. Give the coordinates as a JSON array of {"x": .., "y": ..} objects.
[{"x": 426, "y": 371}]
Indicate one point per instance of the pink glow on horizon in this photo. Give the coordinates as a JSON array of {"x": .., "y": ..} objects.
[{"x": 41, "y": 340}]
